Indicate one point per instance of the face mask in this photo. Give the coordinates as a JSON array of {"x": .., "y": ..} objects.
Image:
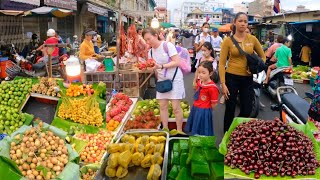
[{"x": 206, "y": 30}]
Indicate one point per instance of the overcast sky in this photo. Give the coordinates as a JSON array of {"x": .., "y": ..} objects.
[{"x": 285, "y": 4}]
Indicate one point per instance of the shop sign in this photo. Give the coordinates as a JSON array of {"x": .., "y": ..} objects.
[
  {"x": 12, "y": 5},
  {"x": 32, "y": 2},
  {"x": 97, "y": 10},
  {"x": 65, "y": 4}
]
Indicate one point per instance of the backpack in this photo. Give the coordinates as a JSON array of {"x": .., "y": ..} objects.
[
  {"x": 314, "y": 110},
  {"x": 183, "y": 53}
]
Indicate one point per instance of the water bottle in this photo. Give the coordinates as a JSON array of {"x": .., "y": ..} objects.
[{"x": 114, "y": 92}]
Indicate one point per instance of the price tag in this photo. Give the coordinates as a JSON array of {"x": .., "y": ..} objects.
[{"x": 288, "y": 82}]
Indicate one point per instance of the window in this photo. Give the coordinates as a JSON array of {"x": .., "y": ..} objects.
[{"x": 217, "y": 16}]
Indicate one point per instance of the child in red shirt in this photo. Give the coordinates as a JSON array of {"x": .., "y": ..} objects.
[{"x": 200, "y": 120}]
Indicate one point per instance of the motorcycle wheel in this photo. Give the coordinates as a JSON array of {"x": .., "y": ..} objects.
[{"x": 255, "y": 107}]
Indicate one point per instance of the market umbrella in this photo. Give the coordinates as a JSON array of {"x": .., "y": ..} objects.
[
  {"x": 225, "y": 28},
  {"x": 49, "y": 11},
  {"x": 166, "y": 25},
  {"x": 11, "y": 12}
]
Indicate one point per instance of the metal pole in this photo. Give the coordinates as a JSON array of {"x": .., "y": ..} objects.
[
  {"x": 118, "y": 28},
  {"x": 50, "y": 65}
]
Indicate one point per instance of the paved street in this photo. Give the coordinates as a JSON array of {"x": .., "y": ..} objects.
[{"x": 265, "y": 113}]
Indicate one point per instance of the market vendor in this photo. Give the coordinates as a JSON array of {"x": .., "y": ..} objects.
[{"x": 87, "y": 47}]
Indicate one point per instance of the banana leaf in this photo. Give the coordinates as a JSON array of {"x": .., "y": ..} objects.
[
  {"x": 94, "y": 167},
  {"x": 79, "y": 144},
  {"x": 29, "y": 118},
  {"x": 229, "y": 172},
  {"x": 71, "y": 170},
  {"x": 66, "y": 125}
]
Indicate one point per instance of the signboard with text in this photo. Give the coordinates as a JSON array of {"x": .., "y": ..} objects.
[
  {"x": 32, "y": 2},
  {"x": 65, "y": 4},
  {"x": 97, "y": 10}
]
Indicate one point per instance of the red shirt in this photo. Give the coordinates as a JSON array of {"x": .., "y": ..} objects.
[
  {"x": 53, "y": 40},
  {"x": 209, "y": 94}
]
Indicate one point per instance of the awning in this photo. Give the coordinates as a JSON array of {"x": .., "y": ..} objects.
[
  {"x": 225, "y": 28},
  {"x": 97, "y": 10},
  {"x": 166, "y": 25},
  {"x": 306, "y": 22},
  {"x": 11, "y": 12},
  {"x": 49, "y": 11},
  {"x": 66, "y": 4}
]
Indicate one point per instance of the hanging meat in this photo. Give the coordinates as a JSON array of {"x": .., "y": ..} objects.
[
  {"x": 132, "y": 40},
  {"x": 123, "y": 42}
]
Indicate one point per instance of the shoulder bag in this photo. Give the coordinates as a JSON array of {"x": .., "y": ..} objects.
[
  {"x": 255, "y": 63},
  {"x": 166, "y": 85}
]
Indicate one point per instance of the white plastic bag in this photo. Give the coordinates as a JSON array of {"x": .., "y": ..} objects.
[{"x": 92, "y": 65}]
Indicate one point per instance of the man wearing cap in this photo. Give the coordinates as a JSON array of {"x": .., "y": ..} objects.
[{"x": 216, "y": 39}]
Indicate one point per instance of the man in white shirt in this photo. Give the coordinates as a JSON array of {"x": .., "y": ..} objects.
[{"x": 216, "y": 39}]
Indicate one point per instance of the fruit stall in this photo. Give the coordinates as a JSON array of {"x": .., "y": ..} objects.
[{"x": 90, "y": 137}]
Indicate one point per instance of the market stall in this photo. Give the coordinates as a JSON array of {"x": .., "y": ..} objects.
[{"x": 121, "y": 138}]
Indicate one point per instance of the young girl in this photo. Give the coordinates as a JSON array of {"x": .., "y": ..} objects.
[
  {"x": 205, "y": 99},
  {"x": 207, "y": 55}
]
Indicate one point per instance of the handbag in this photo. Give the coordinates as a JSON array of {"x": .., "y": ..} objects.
[
  {"x": 166, "y": 85},
  {"x": 255, "y": 63}
]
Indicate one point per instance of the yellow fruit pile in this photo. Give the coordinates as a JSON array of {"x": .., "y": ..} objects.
[{"x": 79, "y": 112}]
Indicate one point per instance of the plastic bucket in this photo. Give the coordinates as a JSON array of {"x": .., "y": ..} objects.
[{"x": 3, "y": 65}]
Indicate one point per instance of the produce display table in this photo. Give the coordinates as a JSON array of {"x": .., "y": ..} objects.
[{"x": 132, "y": 82}]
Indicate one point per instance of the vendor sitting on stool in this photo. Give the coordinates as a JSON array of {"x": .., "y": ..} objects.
[{"x": 87, "y": 50}]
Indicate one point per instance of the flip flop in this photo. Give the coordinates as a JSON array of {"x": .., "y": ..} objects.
[{"x": 166, "y": 130}]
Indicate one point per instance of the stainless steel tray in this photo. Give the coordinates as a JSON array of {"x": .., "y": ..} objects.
[
  {"x": 137, "y": 173},
  {"x": 170, "y": 147}
]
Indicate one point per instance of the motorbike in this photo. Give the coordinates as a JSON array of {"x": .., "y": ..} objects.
[
  {"x": 30, "y": 68},
  {"x": 291, "y": 106},
  {"x": 278, "y": 78},
  {"x": 257, "y": 86}
]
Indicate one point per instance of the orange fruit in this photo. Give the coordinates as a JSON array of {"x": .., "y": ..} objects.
[{"x": 111, "y": 128}]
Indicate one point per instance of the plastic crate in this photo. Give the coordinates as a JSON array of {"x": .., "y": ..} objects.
[{"x": 100, "y": 76}]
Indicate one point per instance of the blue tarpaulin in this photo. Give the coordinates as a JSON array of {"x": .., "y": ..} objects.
[{"x": 306, "y": 22}]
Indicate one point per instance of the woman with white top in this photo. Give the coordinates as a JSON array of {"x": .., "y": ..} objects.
[
  {"x": 201, "y": 39},
  {"x": 167, "y": 62}
]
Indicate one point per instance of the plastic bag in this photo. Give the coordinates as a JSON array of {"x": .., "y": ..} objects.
[{"x": 92, "y": 65}]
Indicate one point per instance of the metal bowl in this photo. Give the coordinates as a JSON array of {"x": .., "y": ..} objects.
[{"x": 107, "y": 53}]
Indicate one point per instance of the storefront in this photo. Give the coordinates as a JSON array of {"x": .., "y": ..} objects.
[
  {"x": 18, "y": 29},
  {"x": 65, "y": 25}
]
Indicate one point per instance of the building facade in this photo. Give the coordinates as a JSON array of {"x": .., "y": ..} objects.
[
  {"x": 176, "y": 18},
  {"x": 261, "y": 7},
  {"x": 241, "y": 7},
  {"x": 206, "y": 6},
  {"x": 161, "y": 3},
  {"x": 198, "y": 17}
]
